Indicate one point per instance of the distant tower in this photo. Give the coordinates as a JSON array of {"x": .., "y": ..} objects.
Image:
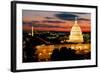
[
  {"x": 32, "y": 30},
  {"x": 76, "y": 33}
]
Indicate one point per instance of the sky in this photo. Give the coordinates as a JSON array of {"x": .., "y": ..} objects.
[{"x": 55, "y": 21}]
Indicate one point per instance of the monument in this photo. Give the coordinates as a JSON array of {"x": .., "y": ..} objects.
[{"x": 76, "y": 33}]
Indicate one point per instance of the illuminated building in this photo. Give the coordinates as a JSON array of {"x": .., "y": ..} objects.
[
  {"x": 76, "y": 33},
  {"x": 32, "y": 31}
]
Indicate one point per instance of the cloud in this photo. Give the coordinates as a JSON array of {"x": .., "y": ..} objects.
[
  {"x": 66, "y": 16},
  {"x": 81, "y": 13},
  {"x": 49, "y": 18},
  {"x": 84, "y": 19},
  {"x": 67, "y": 29}
]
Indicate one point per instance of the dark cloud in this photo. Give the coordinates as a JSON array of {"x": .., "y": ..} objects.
[
  {"x": 42, "y": 23},
  {"x": 82, "y": 13},
  {"x": 48, "y": 26},
  {"x": 49, "y": 18},
  {"x": 50, "y": 21},
  {"x": 84, "y": 19},
  {"x": 66, "y": 16}
]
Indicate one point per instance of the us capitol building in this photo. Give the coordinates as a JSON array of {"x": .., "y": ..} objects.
[{"x": 76, "y": 33}]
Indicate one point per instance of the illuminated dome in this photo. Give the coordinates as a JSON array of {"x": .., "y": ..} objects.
[{"x": 76, "y": 33}]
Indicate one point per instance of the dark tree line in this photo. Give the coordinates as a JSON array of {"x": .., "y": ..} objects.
[{"x": 67, "y": 54}]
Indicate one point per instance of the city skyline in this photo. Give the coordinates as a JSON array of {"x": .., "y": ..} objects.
[{"x": 67, "y": 41}]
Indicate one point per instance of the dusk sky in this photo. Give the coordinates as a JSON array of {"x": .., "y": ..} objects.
[{"x": 55, "y": 21}]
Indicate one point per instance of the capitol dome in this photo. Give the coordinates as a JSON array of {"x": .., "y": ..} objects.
[{"x": 76, "y": 33}]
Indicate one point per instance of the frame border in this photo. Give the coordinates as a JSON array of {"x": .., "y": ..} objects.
[{"x": 13, "y": 35}]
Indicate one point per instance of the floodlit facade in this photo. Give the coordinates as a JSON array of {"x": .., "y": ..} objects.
[{"x": 76, "y": 33}]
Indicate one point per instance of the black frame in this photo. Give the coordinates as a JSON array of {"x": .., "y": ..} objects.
[{"x": 13, "y": 34}]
